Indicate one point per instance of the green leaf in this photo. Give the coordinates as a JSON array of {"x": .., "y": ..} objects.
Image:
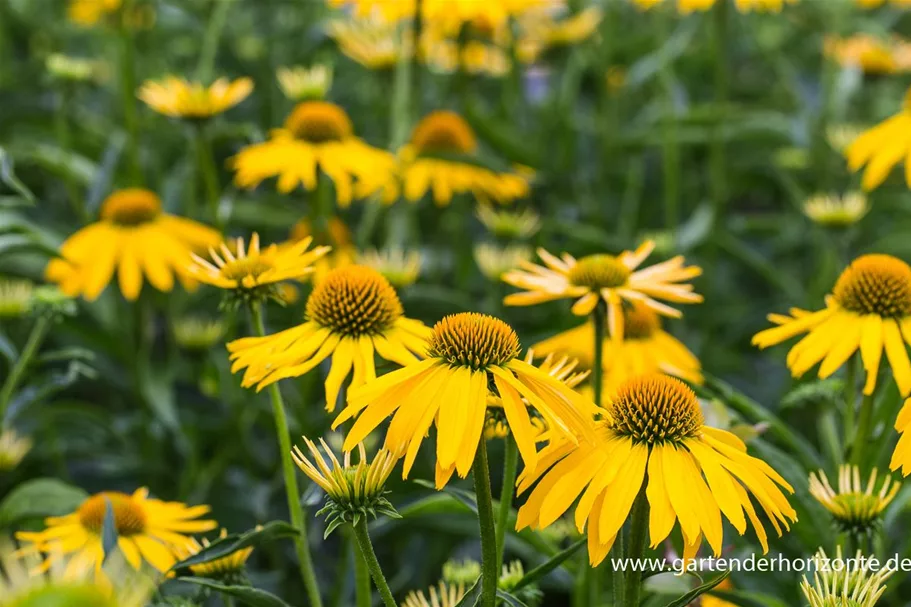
[
  {"x": 466, "y": 497},
  {"x": 548, "y": 566},
  {"x": 238, "y": 541},
  {"x": 109, "y": 536},
  {"x": 8, "y": 177},
  {"x": 698, "y": 591},
  {"x": 471, "y": 597},
  {"x": 749, "y": 599},
  {"x": 254, "y": 597},
  {"x": 40, "y": 498},
  {"x": 648, "y": 66},
  {"x": 510, "y": 599}
]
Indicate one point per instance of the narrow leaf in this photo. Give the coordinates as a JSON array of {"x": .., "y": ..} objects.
[
  {"x": 548, "y": 566},
  {"x": 254, "y": 597},
  {"x": 698, "y": 591},
  {"x": 232, "y": 543}
]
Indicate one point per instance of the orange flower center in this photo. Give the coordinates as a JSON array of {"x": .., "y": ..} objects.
[
  {"x": 473, "y": 340},
  {"x": 875, "y": 284},
  {"x": 655, "y": 409},
  {"x": 131, "y": 207},
  {"x": 319, "y": 122},
  {"x": 599, "y": 272},
  {"x": 248, "y": 266},
  {"x": 128, "y": 516},
  {"x": 639, "y": 321},
  {"x": 354, "y": 301},
  {"x": 444, "y": 132}
]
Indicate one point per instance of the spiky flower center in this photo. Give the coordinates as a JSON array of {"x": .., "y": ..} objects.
[
  {"x": 319, "y": 122},
  {"x": 242, "y": 267},
  {"x": 655, "y": 409},
  {"x": 444, "y": 132},
  {"x": 473, "y": 340},
  {"x": 354, "y": 300},
  {"x": 639, "y": 321},
  {"x": 131, "y": 207},
  {"x": 876, "y": 284},
  {"x": 599, "y": 272},
  {"x": 129, "y": 517}
]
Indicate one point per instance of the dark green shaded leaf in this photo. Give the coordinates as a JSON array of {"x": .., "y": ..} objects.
[
  {"x": 551, "y": 564},
  {"x": 471, "y": 597},
  {"x": 509, "y": 599},
  {"x": 698, "y": 591},
  {"x": 254, "y": 597},
  {"x": 40, "y": 498},
  {"x": 8, "y": 177},
  {"x": 238, "y": 541}
]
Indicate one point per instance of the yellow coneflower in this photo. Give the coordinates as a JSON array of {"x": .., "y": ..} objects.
[
  {"x": 227, "y": 567},
  {"x": 856, "y": 585},
  {"x": 372, "y": 42},
  {"x": 15, "y": 297},
  {"x": 450, "y": 388},
  {"x": 400, "y": 267},
  {"x": 351, "y": 314},
  {"x": 254, "y": 272},
  {"x": 137, "y": 239},
  {"x": 198, "y": 333},
  {"x": 87, "y": 13},
  {"x": 447, "y": 55},
  {"x": 869, "y": 53},
  {"x": 540, "y": 31},
  {"x": 495, "y": 261},
  {"x": 563, "y": 368},
  {"x": 654, "y": 435},
  {"x": 507, "y": 223},
  {"x": 148, "y": 530},
  {"x": 333, "y": 233},
  {"x": 442, "y": 595},
  {"x": 316, "y": 139},
  {"x": 613, "y": 279},
  {"x": 388, "y": 10},
  {"x": 438, "y": 159},
  {"x": 836, "y": 211},
  {"x": 882, "y": 147},
  {"x": 61, "y": 586},
  {"x": 179, "y": 98},
  {"x": 901, "y": 457},
  {"x": 451, "y": 16},
  {"x": 13, "y": 449},
  {"x": 300, "y": 83},
  {"x": 353, "y": 491},
  {"x": 869, "y": 310},
  {"x": 645, "y": 348},
  {"x": 855, "y": 508}
]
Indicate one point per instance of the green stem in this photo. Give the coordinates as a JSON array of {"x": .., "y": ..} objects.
[
  {"x": 217, "y": 20},
  {"x": 510, "y": 463},
  {"x": 593, "y": 581},
  {"x": 850, "y": 397},
  {"x": 670, "y": 149},
  {"x": 65, "y": 138},
  {"x": 637, "y": 535},
  {"x": 862, "y": 434},
  {"x": 361, "y": 577},
  {"x": 489, "y": 571},
  {"x": 717, "y": 167},
  {"x": 363, "y": 541},
  {"x": 291, "y": 488},
  {"x": 414, "y": 107},
  {"x": 128, "y": 96},
  {"x": 205, "y": 162},
  {"x": 35, "y": 337}
]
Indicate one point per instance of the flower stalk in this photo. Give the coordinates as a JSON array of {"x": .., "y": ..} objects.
[
  {"x": 128, "y": 95},
  {"x": 291, "y": 488},
  {"x": 864, "y": 426},
  {"x": 489, "y": 569},
  {"x": 205, "y": 162},
  {"x": 32, "y": 344},
  {"x": 373, "y": 565},
  {"x": 637, "y": 538},
  {"x": 510, "y": 464}
]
